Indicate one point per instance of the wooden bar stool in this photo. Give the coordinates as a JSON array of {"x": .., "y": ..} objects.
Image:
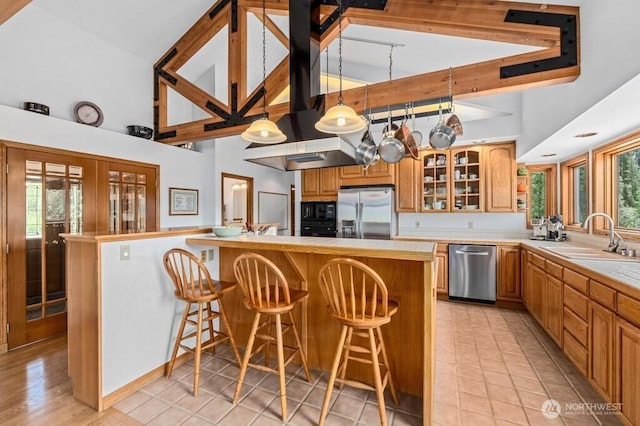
[
  {"x": 358, "y": 298},
  {"x": 194, "y": 285},
  {"x": 266, "y": 292}
]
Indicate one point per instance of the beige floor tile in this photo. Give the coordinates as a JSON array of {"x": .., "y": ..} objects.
[
  {"x": 171, "y": 416},
  {"x": 470, "y": 418},
  {"x": 476, "y": 387},
  {"x": 371, "y": 415},
  {"x": 239, "y": 415},
  {"x": 522, "y": 371},
  {"x": 513, "y": 358},
  {"x": 493, "y": 365},
  {"x": 316, "y": 397},
  {"x": 497, "y": 378},
  {"x": 132, "y": 401},
  {"x": 196, "y": 421},
  {"x": 532, "y": 400},
  {"x": 475, "y": 403},
  {"x": 536, "y": 417},
  {"x": 404, "y": 419},
  {"x": 445, "y": 396},
  {"x": 194, "y": 403},
  {"x": 217, "y": 384},
  {"x": 175, "y": 393},
  {"x": 258, "y": 399},
  {"x": 215, "y": 409},
  {"x": 408, "y": 403},
  {"x": 275, "y": 408},
  {"x": 503, "y": 394},
  {"x": 148, "y": 410},
  {"x": 531, "y": 385},
  {"x": 306, "y": 415},
  {"x": 468, "y": 359},
  {"x": 509, "y": 412},
  {"x": 348, "y": 407},
  {"x": 446, "y": 414},
  {"x": 469, "y": 372}
]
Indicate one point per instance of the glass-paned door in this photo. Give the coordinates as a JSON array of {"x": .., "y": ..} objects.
[
  {"x": 45, "y": 197},
  {"x": 127, "y": 202}
]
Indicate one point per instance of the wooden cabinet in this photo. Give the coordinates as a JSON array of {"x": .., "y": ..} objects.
[
  {"x": 522, "y": 188},
  {"x": 536, "y": 283},
  {"x": 467, "y": 176},
  {"x": 499, "y": 178},
  {"x": 408, "y": 172},
  {"x": 320, "y": 184},
  {"x": 553, "y": 309},
  {"x": 381, "y": 173},
  {"x": 627, "y": 366},
  {"x": 601, "y": 349},
  {"x": 508, "y": 283},
  {"x": 442, "y": 265},
  {"x": 435, "y": 185}
]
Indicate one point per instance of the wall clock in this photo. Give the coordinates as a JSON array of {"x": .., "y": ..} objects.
[{"x": 88, "y": 113}]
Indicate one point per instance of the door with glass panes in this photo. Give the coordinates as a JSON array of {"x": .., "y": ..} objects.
[{"x": 45, "y": 194}]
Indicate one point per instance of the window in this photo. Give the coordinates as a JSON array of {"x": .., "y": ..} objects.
[
  {"x": 575, "y": 191},
  {"x": 542, "y": 194},
  {"x": 617, "y": 185},
  {"x": 628, "y": 189}
]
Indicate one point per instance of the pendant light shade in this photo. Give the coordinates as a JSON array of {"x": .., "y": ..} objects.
[
  {"x": 263, "y": 130},
  {"x": 340, "y": 119}
]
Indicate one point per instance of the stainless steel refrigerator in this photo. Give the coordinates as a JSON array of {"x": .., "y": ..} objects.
[{"x": 366, "y": 212}]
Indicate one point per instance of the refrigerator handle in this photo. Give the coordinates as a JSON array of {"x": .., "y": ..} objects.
[{"x": 359, "y": 208}]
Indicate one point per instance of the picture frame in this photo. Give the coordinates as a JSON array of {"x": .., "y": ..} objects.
[{"x": 183, "y": 201}]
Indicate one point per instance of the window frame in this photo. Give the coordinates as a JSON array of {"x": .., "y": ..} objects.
[
  {"x": 567, "y": 187},
  {"x": 551, "y": 178},
  {"x": 604, "y": 191}
]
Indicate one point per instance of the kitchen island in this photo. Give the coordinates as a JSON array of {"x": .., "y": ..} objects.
[{"x": 407, "y": 268}]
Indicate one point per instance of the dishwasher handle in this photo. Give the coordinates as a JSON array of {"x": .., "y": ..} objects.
[{"x": 473, "y": 253}]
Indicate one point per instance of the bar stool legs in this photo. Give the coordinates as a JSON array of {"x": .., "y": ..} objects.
[
  {"x": 280, "y": 329},
  {"x": 339, "y": 367}
]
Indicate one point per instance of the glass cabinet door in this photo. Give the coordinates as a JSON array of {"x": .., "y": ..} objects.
[
  {"x": 467, "y": 180},
  {"x": 435, "y": 182}
]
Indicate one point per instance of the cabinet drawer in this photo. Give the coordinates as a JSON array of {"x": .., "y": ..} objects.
[
  {"x": 553, "y": 269},
  {"x": 576, "y": 301},
  {"x": 629, "y": 308},
  {"x": 603, "y": 295},
  {"x": 577, "y": 327},
  {"x": 577, "y": 281},
  {"x": 537, "y": 260},
  {"x": 576, "y": 352}
]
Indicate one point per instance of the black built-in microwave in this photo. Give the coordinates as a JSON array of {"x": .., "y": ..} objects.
[{"x": 318, "y": 219}]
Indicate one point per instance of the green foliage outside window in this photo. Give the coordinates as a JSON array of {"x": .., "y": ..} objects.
[
  {"x": 629, "y": 189},
  {"x": 580, "y": 206},
  {"x": 538, "y": 194}
]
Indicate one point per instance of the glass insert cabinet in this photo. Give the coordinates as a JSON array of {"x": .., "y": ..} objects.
[{"x": 452, "y": 180}]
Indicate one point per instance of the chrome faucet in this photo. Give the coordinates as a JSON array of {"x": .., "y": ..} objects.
[{"x": 613, "y": 241}]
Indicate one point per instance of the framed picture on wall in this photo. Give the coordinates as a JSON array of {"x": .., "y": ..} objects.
[{"x": 183, "y": 201}]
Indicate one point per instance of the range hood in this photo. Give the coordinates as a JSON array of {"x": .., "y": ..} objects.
[{"x": 305, "y": 147}]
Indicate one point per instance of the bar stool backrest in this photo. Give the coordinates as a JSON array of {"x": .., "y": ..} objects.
[
  {"x": 263, "y": 283},
  {"x": 353, "y": 291},
  {"x": 190, "y": 277}
]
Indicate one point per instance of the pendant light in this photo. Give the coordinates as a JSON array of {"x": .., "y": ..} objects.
[
  {"x": 263, "y": 130},
  {"x": 340, "y": 119}
]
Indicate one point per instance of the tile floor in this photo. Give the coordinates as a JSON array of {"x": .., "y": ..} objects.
[{"x": 493, "y": 366}]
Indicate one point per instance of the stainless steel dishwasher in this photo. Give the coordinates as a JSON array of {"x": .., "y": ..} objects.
[{"x": 472, "y": 272}]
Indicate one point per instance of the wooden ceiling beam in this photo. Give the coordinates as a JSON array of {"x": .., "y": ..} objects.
[
  {"x": 195, "y": 38},
  {"x": 8, "y": 8},
  {"x": 480, "y": 19}
]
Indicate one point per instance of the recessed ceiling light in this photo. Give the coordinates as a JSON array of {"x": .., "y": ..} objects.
[
  {"x": 549, "y": 155},
  {"x": 585, "y": 135}
]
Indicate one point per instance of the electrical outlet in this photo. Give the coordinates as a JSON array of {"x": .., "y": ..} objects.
[
  {"x": 203, "y": 255},
  {"x": 470, "y": 224},
  {"x": 210, "y": 253},
  {"x": 125, "y": 252}
]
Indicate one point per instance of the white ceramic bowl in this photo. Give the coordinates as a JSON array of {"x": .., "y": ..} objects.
[{"x": 223, "y": 231}]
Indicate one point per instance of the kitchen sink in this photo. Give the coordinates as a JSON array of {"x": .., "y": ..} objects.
[{"x": 588, "y": 253}]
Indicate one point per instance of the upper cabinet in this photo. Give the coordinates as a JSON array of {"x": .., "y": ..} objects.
[
  {"x": 408, "y": 172},
  {"x": 381, "y": 173},
  {"x": 500, "y": 182},
  {"x": 320, "y": 184},
  {"x": 467, "y": 174}
]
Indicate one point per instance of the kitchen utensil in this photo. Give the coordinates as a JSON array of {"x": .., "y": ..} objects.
[
  {"x": 227, "y": 231},
  {"x": 417, "y": 136},
  {"x": 455, "y": 124},
  {"x": 366, "y": 150},
  {"x": 391, "y": 149},
  {"x": 442, "y": 136}
]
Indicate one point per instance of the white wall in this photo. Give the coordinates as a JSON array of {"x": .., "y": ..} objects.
[
  {"x": 607, "y": 62},
  {"x": 47, "y": 60}
]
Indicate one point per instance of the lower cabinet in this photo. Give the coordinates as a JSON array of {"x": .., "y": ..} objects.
[
  {"x": 553, "y": 308},
  {"x": 508, "y": 282},
  {"x": 442, "y": 265},
  {"x": 536, "y": 282},
  {"x": 601, "y": 347},
  {"x": 627, "y": 374}
]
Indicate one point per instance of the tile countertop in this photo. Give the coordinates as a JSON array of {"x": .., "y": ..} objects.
[{"x": 626, "y": 273}]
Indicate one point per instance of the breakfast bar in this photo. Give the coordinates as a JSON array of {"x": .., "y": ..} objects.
[{"x": 407, "y": 268}]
